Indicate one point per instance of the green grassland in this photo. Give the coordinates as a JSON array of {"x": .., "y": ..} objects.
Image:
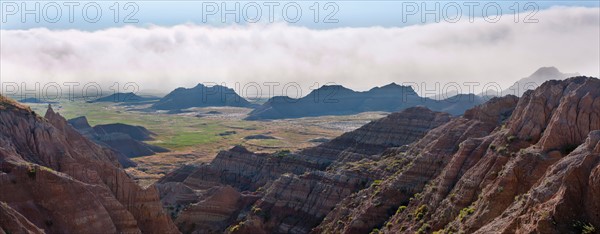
[
  {"x": 185, "y": 132},
  {"x": 194, "y": 139}
]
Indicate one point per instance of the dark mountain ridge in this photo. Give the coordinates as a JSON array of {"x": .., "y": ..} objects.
[
  {"x": 129, "y": 97},
  {"x": 339, "y": 100},
  {"x": 201, "y": 96},
  {"x": 36, "y": 100}
]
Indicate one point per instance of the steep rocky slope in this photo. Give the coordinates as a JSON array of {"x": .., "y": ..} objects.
[
  {"x": 537, "y": 172},
  {"x": 55, "y": 180},
  {"x": 125, "y": 139},
  {"x": 260, "y": 179},
  {"x": 510, "y": 165}
]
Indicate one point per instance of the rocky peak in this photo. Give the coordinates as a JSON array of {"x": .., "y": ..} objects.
[
  {"x": 55, "y": 118},
  {"x": 593, "y": 141},
  {"x": 559, "y": 114},
  {"x": 547, "y": 72},
  {"x": 536, "y": 80},
  {"x": 495, "y": 110},
  {"x": 41, "y": 159}
]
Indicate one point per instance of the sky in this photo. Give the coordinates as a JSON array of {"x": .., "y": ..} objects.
[{"x": 159, "y": 45}]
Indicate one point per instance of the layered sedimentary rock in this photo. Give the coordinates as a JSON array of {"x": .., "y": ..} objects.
[
  {"x": 510, "y": 165},
  {"x": 370, "y": 208},
  {"x": 535, "y": 172},
  {"x": 290, "y": 186},
  {"x": 55, "y": 180}
]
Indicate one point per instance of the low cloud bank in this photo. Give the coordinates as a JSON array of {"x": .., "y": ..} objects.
[{"x": 163, "y": 58}]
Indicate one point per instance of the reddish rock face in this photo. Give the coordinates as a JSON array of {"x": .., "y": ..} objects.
[
  {"x": 293, "y": 191},
  {"x": 55, "y": 180},
  {"x": 454, "y": 142},
  {"x": 510, "y": 165},
  {"x": 535, "y": 172}
]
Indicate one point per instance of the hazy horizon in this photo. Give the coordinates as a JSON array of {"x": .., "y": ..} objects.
[{"x": 162, "y": 58}]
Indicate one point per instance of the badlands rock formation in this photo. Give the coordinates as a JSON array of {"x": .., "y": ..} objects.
[
  {"x": 510, "y": 165},
  {"x": 125, "y": 140},
  {"x": 55, "y": 180},
  {"x": 298, "y": 182},
  {"x": 536, "y": 172}
]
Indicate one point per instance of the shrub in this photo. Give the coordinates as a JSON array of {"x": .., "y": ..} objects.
[
  {"x": 465, "y": 212},
  {"x": 377, "y": 203},
  {"x": 400, "y": 209},
  {"x": 256, "y": 210},
  {"x": 234, "y": 228},
  {"x": 31, "y": 172},
  {"x": 511, "y": 139},
  {"x": 423, "y": 229},
  {"x": 282, "y": 153},
  {"x": 588, "y": 229},
  {"x": 420, "y": 212},
  {"x": 503, "y": 151},
  {"x": 584, "y": 227}
]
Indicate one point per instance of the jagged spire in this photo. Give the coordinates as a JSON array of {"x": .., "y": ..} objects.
[
  {"x": 50, "y": 110},
  {"x": 50, "y": 114}
]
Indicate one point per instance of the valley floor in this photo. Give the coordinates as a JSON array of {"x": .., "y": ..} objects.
[{"x": 198, "y": 135}]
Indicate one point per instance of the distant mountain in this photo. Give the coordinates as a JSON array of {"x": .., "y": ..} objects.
[
  {"x": 338, "y": 100},
  {"x": 201, "y": 96},
  {"x": 35, "y": 100},
  {"x": 536, "y": 79},
  {"x": 124, "y": 97}
]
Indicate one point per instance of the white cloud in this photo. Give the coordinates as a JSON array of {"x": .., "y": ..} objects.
[{"x": 164, "y": 58}]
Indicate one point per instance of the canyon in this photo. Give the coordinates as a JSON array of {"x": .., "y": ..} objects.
[
  {"x": 528, "y": 164},
  {"x": 508, "y": 165}
]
